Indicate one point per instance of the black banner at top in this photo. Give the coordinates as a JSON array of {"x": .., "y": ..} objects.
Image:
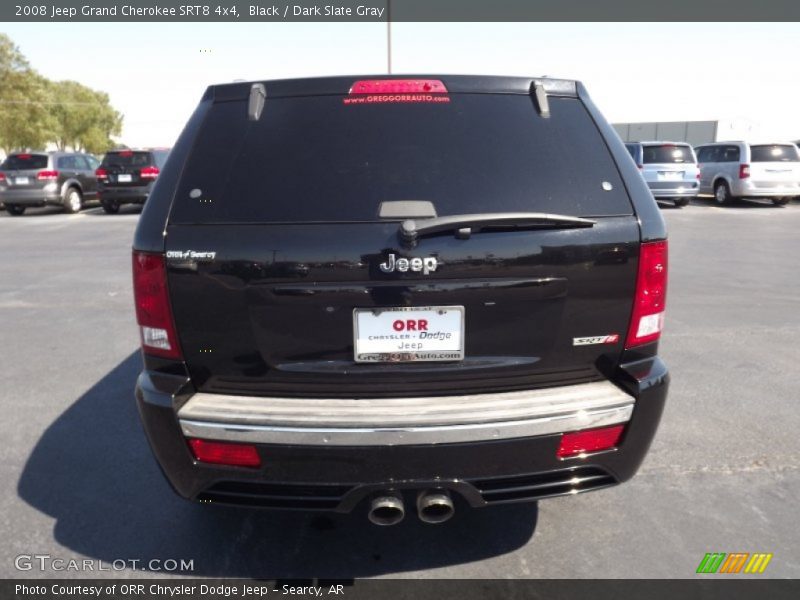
[{"x": 396, "y": 10}]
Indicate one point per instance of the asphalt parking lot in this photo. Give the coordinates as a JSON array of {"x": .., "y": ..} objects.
[{"x": 722, "y": 476}]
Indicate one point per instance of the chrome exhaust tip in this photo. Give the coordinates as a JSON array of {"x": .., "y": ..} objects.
[
  {"x": 435, "y": 506},
  {"x": 386, "y": 509}
]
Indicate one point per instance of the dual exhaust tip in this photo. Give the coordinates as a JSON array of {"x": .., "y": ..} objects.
[{"x": 433, "y": 506}]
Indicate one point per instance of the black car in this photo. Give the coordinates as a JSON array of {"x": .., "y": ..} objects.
[
  {"x": 127, "y": 176},
  {"x": 367, "y": 294},
  {"x": 63, "y": 179}
]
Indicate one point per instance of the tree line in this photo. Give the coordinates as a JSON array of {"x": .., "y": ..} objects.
[{"x": 35, "y": 111}]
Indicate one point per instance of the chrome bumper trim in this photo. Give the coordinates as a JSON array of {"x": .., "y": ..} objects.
[{"x": 400, "y": 421}]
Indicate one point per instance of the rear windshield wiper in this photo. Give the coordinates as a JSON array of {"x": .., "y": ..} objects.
[{"x": 465, "y": 225}]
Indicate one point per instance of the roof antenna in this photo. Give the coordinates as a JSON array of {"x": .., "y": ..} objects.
[{"x": 255, "y": 105}]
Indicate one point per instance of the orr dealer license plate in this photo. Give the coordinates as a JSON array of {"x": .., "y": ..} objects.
[{"x": 408, "y": 334}]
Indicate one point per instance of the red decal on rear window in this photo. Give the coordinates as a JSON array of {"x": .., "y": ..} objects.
[{"x": 397, "y": 98}]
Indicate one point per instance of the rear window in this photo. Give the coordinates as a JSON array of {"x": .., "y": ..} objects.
[
  {"x": 131, "y": 159},
  {"x": 25, "y": 161},
  {"x": 668, "y": 154},
  {"x": 774, "y": 153},
  {"x": 316, "y": 159}
]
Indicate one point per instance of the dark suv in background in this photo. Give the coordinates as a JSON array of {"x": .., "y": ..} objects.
[
  {"x": 65, "y": 179},
  {"x": 373, "y": 294},
  {"x": 127, "y": 176}
]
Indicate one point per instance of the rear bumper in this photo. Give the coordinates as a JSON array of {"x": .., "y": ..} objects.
[
  {"x": 324, "y": 468},
  {"x": 688, "y": 189},
  {"x": 745, "y": 188},
  {"x": 37, "y": 197},
  {"x": 125, "y": 195}
]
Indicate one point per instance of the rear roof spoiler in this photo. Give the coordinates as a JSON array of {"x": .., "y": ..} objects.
[{"x": 334, "y": 86}]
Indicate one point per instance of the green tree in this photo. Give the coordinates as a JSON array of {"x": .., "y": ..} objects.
[
  {"x": 25, "y": 121},
  {"x": 83, "y": 118}
]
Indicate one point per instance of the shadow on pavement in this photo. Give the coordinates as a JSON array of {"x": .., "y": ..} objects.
[{"x": 92, "y": 471}]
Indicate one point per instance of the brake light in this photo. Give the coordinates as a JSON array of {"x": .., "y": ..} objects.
[
  {"x": 24, "y": 156},
  {"x": 153, "y": 312},
  {"x": 2, "y": 176},
  {"x": 398, "y": 86},
  {"x": 744, "y": 171},
  {"x": 698, "y": 173},
  {"x": 148, "y": 172},
  {"x": 591, "y": 440},
  {"x": 101, "y": 173},
  {"x": 224, "y": 453},
  {"x": 647, "y": 319},
  {"x": 47, "y": 175},
  {"x": 126, "y": 153}
]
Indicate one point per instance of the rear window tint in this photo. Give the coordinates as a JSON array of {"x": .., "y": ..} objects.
[
  {"x": 25, "y": 161},
  {"x": 316, "y": 159},
  {"x": 774, "y": 153},
  {"x": 668, "y": 154},
  {"x": 127, "y": 159}
]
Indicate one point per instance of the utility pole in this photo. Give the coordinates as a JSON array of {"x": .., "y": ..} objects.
[{"x": 389, "y": 36}]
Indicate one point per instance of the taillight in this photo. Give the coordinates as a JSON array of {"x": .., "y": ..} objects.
[
  {"x": 398, "y": 86},
  {"x": 591, "y": 440},
  {"x": 640, "y": 167},
  {"x": 744, "y": 171},
  {"x": 2, "y": 176},
  {"x": 153, "y": 312},
  {"x": 101, "y": 173},
  {"x": 647, "y": 319},
  {"x": 47, "y": 175},
  {"x": 149, "y": 172},
  {"x": 698, "y": 173},
  {"x": 225, "y": 453}
]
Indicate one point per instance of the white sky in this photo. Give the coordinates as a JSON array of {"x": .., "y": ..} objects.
[{"x": 156, "y": 73}]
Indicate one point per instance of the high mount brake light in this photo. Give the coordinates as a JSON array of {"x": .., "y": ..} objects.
[
  {"x": 148, "y": 172},
  {"x": 647, "y": 319},
  {"x": 398, "y": 86},
  {"x": 153, "y": 311}
]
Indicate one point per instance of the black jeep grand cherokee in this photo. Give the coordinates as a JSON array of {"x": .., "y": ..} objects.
[{"x": 373, "y": 293}]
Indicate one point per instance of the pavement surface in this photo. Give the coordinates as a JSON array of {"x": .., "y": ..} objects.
[{"x": 723, "y": 474}]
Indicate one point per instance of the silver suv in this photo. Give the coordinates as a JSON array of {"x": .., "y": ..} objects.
[
  {"x": 732, "y": 170},
  {"x": 669, "y": 168}
]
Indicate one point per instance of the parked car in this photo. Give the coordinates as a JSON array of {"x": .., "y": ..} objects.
[
  {"x": 348, "y": 299},
  {"x": 127, "y": 176},
  {"x": 63, "y": 179},
  {"x": 669, "y": 168},
  {"x": 733, "y": 170}
]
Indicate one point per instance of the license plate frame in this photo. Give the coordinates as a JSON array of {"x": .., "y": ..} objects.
[{"x": 369, "y": 320}]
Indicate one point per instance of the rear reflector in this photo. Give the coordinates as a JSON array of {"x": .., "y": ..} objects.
[
  {"x": 398, "y": 86},
  {"x": 744, "y": 171},
  {"x": 223, "y": 453},
  {"x": 47, "y": 175},
  {"x": 101, "y": 173},
  {"x": 149, "y": 172},
  {"x": 153, "y": 312},
  {"x": 647, "y": 319},
  {"x": 590, "y": 440}
]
